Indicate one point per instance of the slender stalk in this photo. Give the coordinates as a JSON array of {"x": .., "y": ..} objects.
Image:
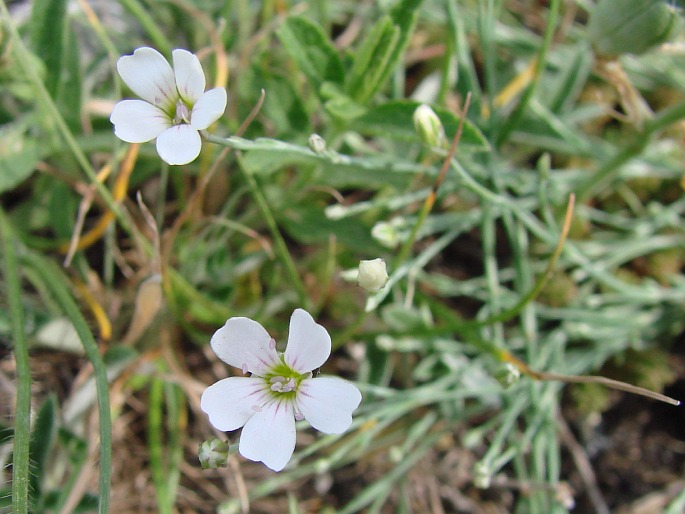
[
  {"x": 280, "y": 247},
  {"x": 20, "y": 454}
]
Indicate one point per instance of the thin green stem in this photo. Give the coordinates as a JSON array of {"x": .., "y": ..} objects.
[
  {"x": 56, "y": 285},
  {"x": 20, "y": 454},
  {"x": 154, "y": 438},
  {"x": 280, "y": 247}
]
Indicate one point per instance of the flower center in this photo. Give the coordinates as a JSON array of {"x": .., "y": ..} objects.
[
  {"x": 182, "y": 114},
  {"x": 283, "y": 380}
]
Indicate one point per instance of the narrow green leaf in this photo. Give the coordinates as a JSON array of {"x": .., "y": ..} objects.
[
  {"x": 403, "y": 15},
  {"x": 69, "y": 96},
  {"x": 394, "y": 119},
  {"x": 42, "y": 436},
  {"x": 382, "y": 50},
  {"x": 372, "y": 60},
  {"x": 48, "y": 18},
  {"x": 155, "y": 445},
  {"x": 20, "y": 455},
  {"x": 307, "y": 44}
]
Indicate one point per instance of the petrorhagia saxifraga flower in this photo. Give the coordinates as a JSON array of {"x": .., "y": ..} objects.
[
  {"x": 280, "y": 390},
  {"x": 174, "y": 105}
]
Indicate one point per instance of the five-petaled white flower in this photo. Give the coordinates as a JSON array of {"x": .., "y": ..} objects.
[
  {"x": 280, "y": 390},
  {"x": 174, "y": 105}
]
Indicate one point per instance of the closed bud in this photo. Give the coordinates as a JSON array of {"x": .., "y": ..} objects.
[
  {"x": 317, "y": 144},
  {"x": 508, "y": 375},
  {"x": 429, "y": 127},
  {"x": 389, "y": 234},
  {"x": 631, "y": 26},
  {"x": 482, "y": 475},
  {"x": 372, "y": 275},
  {"x": 213, "y": 454}
]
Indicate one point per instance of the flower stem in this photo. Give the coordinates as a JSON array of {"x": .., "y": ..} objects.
[
  {"x": 280, "y": 246},
  {"x": 20, "y": 455}
]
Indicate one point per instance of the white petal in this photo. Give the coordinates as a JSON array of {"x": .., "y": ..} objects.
[
  {"x": 179, "y": 144},
  {"x": 309, "y": 345},
  {"x": 136, "y": 121},
  {"x": 269, "y": 435},
  {"x": 327, "y": 403},
  {"x": 190, "y": 79},
  {"x": 208, "y": 108},
  {"x": 245, "y": 344},
  {"x": 229, "y": 403},
  {"x": 148, "y": 74}
]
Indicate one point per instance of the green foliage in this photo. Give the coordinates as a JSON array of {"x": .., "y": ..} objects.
[
  {"x": 631, "y": 26},
  {"x": 265, "y": 221},
  {"x": 311, "y": 49},
  {"x": 48, "y": 23}
]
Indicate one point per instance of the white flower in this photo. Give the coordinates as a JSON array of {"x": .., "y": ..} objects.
[
  {"x": 372, "y": 275},
  {"x": 279, "y": 391},
  {"x": 174, "y": 105}
]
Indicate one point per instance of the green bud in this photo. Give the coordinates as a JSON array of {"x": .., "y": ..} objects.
[
  {"x": 429, "y": 127},
  {"x": 213, "y": 454},
  {"x": 507, "y": 375},
  {"x": 631, "y": 26},
  {"x": 482, "y": 475}
]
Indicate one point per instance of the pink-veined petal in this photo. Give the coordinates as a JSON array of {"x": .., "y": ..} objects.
[
  {"x": 309, "y": 344},
  {"x": 269, "y": 435},
  {"x": 136, "y": 121},
  {"x": 179, "y": 144},
  {"x": 209, "y": 108},
  {"x": 245, "y": 344},
  {"x": 148, "y": 74},
  {"x": 190, "y": 79},
  {"x": 230, "y": 402},
  {"x": 327, "y": 403}
]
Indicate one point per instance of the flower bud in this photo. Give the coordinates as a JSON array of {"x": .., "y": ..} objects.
[
  {"x": 389, "y": 234},
  {"x": 429, "y": 127},
  {"x": 317, "y": 144},
  {"x": 482, "y": 475},
  {"x": 631, "y": 26},
  {"x": 213, "y": 453},
  {"x": 372, "y": 275},
  {"x": 507, "y": 375}
]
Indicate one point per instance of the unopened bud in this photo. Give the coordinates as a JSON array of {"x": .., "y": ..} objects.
[
  {"x": 213, "y": 453},
  {"x": 482, "y": 475},
  {"x": 389, "y": 234},
  {"x": 429, "y": 127},
  {"x": 631, "y": 26},
  {"x": 508, "y": 375},
  {"x": 373, "y": 275},
  {"x": 317, "y": 144}
]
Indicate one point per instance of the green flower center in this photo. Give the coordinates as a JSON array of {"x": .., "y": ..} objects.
[{"x": 282, "y": 380}]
